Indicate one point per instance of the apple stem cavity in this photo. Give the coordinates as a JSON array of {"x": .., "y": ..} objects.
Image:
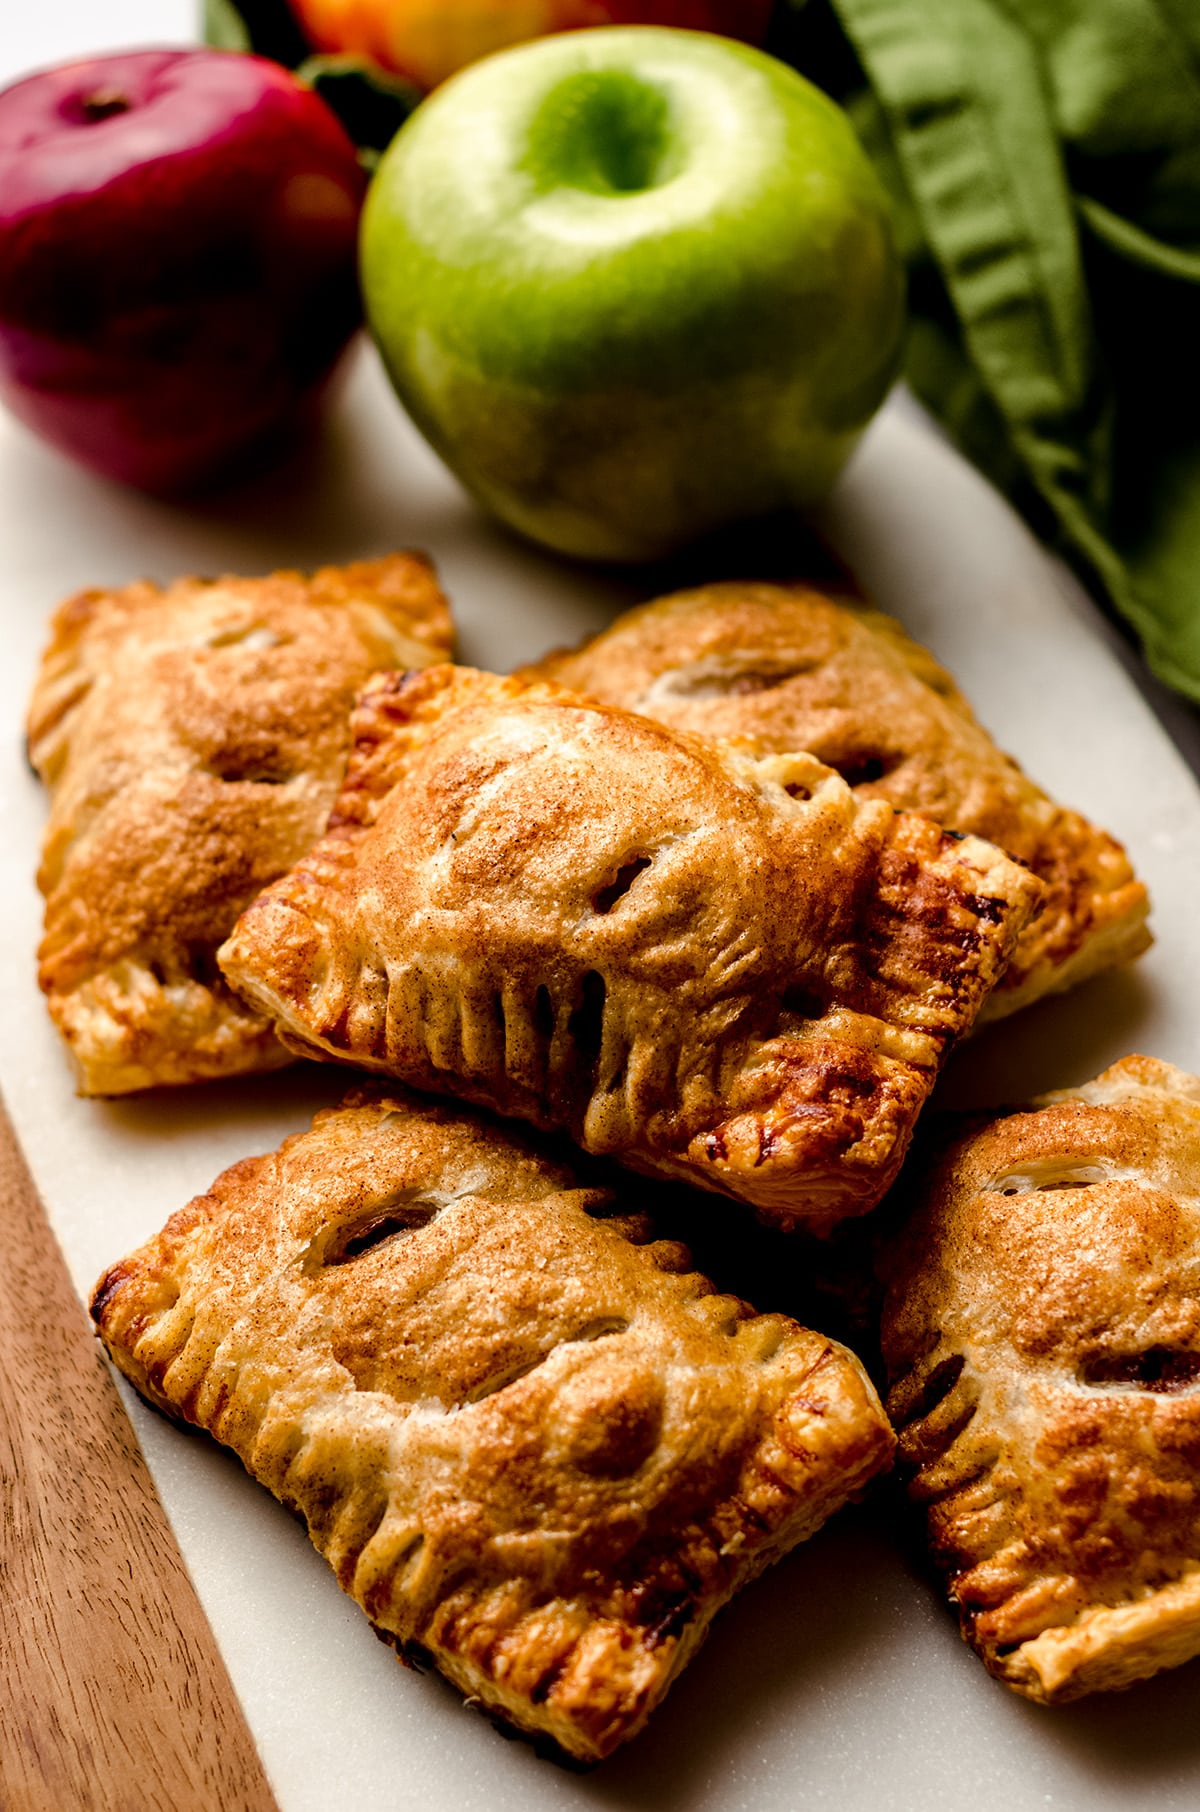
[
  {"x": 102, "y": 105},
  {"x": 604, "y": 131}
]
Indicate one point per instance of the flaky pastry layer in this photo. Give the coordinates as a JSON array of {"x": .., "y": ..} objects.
[
  {"x": 713, "y": 968},
  {"x": 1042, "y": 1335},
  {"x": 195, "y": 739},
  {"x": 792, "y": 668},
  {"x": 532, "y": 1443}
]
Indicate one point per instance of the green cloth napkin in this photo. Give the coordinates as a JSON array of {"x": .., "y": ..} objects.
[{"x": 1044, "y": 157}]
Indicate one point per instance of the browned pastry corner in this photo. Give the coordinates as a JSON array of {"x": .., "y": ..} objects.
[
  {"x": 195, "y": 739},
  {"x": 530, "y": 1441},
  {"x": 792, "y": 668},
  {"x": 1042, "y": 1335},
  {"x": 714, "y": 968}
]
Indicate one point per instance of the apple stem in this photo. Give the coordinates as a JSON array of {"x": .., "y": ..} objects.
[{"x": 103, "y": 104}]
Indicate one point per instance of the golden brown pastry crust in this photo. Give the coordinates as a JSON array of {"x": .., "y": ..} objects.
[
  {"x": 195, "y": 739},
  {"x": 792, "y": 668},
  {"x": 1042, "y": 1334},
  {"x": 530, "y": 1443},
  {"x": 717, "y": 969}
]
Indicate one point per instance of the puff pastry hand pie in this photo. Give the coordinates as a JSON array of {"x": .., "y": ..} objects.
[
  {"x": 794, "y": 669},
  {"x": 532, "y": 1445},
  {"x": 723, "y": 970},
  {"x": 195, "y": 739},
  {"x": 1042, "y": 1333}
]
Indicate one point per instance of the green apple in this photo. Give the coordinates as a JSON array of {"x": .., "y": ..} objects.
[{"x": 633, "y": 284}]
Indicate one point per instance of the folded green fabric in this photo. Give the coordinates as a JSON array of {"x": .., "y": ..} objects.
[{"x": 1044, "y": 157}]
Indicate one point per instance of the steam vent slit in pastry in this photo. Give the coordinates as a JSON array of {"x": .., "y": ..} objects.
[
  {"x": 791, "y": 668},
  {"x": 1042, "y": 1336},
  {"x": 194, "y": 739},
  {"x": 722, "y": 970},
  {"x": 532, "y": 1443}
]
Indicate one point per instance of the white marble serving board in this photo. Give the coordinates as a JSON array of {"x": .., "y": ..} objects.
[{"x": 839, "y": 1680}]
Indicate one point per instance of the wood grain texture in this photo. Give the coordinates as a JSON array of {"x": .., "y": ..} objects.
[{"x": 113, "y": 1696}]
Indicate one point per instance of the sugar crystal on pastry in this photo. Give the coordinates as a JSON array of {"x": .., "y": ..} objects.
[
  {"x": 1042, "y": 1336},
  {"x": 790, "y": 667},
  {"x": 714, "y": 968},
  {"x": 533, "y": 1444},
  {"x": 194, "y": 739}
]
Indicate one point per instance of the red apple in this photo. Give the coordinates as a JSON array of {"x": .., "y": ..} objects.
[
  {"x": 177, "y": 258},
  {"x": 428, "y": 40}
]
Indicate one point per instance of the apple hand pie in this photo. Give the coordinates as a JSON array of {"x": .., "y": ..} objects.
[
  {"x": 792, "y": 669},
  {"x": 712, "y": 968},
  {"x": 195, "y": 739},
  {"x": 1042, "y": 1334},
  {"x": 533, "y": 1445}
]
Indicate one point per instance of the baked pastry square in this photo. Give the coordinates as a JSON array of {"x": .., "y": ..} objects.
[
  {"x": 794, "y": 668},
  {"x": 722, "y": 970},
  {"x": 531, "y": 1442},
  {"x": 195, "y": 739},
  {"x": 1042, "y": 1334}
]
